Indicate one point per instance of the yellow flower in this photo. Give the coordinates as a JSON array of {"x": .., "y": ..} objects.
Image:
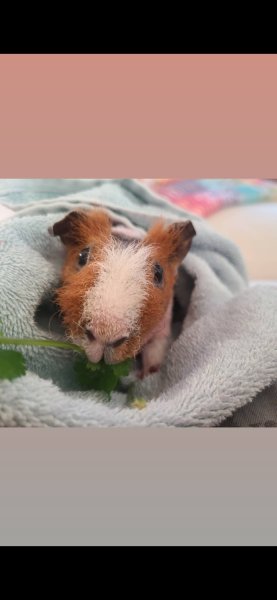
[{"x": 139, "y": 403}]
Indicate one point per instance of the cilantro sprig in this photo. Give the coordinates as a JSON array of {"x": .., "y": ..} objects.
[{"x": 99, "y": 377}]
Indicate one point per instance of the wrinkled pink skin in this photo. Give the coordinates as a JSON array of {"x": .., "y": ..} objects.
[{"x": 156, "y": 345}]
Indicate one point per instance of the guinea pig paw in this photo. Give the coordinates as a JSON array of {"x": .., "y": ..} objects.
[
  {"x": 146, "y": 371},
  {"x": 139, "y": 374},
  {"x": 154, "y": 369}
]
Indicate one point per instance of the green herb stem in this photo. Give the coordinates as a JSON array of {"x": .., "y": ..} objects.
[{"x": 46, "y": 343}]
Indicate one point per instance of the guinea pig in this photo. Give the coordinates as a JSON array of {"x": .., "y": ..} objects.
[{"x": 116, "y": 293}]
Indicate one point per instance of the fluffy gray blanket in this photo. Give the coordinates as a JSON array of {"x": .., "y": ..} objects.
[{"x": 225, "y": 355}]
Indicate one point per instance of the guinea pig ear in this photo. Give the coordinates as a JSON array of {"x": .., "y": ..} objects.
[
  {"x": 180, "y": 235},
  {"x": 68, "y": 228}
]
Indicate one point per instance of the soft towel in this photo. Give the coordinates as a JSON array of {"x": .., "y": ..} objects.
[{"x": 226, "y": 353}]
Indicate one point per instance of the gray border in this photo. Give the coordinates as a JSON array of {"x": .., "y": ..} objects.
[{"x": 138, "y": 487}]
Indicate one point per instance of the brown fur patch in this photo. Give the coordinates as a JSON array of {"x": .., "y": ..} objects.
[
  {"x": 173, "y": 241},
  {"x": 170, "y": 245},
  {"x": 92, "y": 230}
]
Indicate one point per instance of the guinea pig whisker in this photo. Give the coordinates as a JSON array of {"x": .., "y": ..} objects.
[
  {"x": 51, "y": 319},
  {"x": 69, "y": 337},
  {"x": 79, "y": 325}
]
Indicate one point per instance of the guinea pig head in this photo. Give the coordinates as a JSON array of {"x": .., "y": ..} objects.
[{"x": 115, "y": 292}]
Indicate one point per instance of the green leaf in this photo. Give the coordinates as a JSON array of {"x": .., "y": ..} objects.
[
  {"x": 105, "y": 381},
  {"x": 12, "y": 364},
  {"x": 122, "y": 369},
  {"x": 93, "y": 366},
  {"x": 100, "y": 377},
  {"x": 83, "y": 374}
]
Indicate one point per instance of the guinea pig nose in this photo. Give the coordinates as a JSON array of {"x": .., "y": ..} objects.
[
  {"x": 90, "y": 335},
  {"x": 119, "y": 342}
]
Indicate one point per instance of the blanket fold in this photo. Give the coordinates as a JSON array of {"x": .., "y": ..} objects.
[{"x": 225, "y": 355}]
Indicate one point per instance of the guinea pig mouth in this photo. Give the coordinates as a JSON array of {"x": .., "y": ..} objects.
[
  {"x": 96, "y": 352},
  {"x": 109, "y": 357}
]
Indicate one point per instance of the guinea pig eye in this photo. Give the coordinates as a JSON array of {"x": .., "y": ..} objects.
[
  {"x": 83, "y": 257},
  {"x": 158, "y": 274}
]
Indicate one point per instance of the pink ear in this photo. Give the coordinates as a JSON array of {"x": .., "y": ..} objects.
[{"x": 181, "y": 235}]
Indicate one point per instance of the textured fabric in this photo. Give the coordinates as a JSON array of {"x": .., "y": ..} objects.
[
  {"x": 262, "y": 412},
  {"x": 207, "y": 196},
  {"x": 5, "y": 213},
  {"x": 225, "y": 355}
]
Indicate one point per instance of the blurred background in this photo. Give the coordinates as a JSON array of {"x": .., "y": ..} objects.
[{"x": 244, "y": 210}]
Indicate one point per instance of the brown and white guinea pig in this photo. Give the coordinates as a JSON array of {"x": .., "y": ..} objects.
[{"x": 116, "y": 293}]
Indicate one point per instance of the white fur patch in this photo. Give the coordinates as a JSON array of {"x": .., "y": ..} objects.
[{"x": 113, "y": 304}]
